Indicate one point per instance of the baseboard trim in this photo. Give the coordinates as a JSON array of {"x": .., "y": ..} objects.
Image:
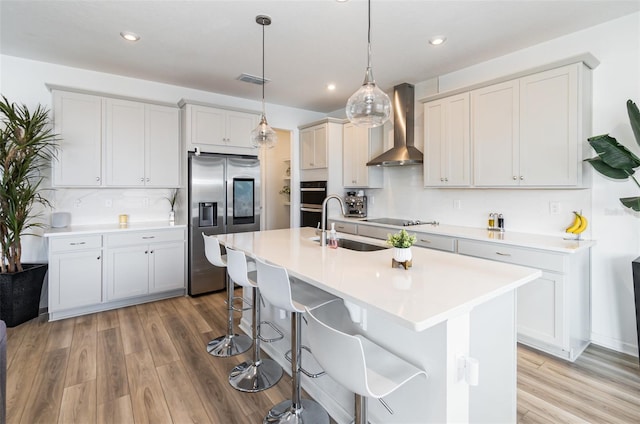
[{"x": 614, "y": 344}]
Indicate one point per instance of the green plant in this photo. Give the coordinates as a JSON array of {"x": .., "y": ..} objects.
[
  {"x": 172, "y": 198},
  {"x": 285, "y": 190},
  {"x": 27, "y": 145},
  {"x": 616, "y": 161},
  {"x": 401, "y": 239}
]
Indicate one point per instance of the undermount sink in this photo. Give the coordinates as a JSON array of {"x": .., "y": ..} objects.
[{"x": 358, "y": 246}]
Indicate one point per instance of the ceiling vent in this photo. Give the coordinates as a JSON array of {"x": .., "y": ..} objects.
[{"x": 253, "y": 79}]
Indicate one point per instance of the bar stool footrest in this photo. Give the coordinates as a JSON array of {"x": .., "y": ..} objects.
[
  {"x": 275, "y": 339},
  {"x": 244, "y": 301},
  {"x": 306, "y": 372}
]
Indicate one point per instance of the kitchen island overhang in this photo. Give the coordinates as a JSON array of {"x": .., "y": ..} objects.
[{"x": 444, "y": 309}]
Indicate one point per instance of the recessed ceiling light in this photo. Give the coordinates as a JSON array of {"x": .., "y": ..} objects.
[
  {"x": 342, "y": 1},
  {"x": 436, "y": 41},
  {"x": 331, "y": 87},
  {"x": 129, "y": 36}
]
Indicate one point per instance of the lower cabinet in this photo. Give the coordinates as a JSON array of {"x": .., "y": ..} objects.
[{"x": 95, "y": 272}]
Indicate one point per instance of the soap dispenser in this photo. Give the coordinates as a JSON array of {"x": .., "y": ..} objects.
[{"x": 333, "y": 237}]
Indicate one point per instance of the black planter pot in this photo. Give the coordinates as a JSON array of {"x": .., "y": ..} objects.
[
  {"x": 635, "y": 265},
  {"x": 20, "y": 294}
]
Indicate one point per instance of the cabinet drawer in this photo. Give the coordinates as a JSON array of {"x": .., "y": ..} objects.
[
  {"x": 515, "y": 255},
  {"x": 345, "y": 227},
  {"x": 375, "y": 232},
  {"x": 143, "y": 237},
  {"x": 70, "y": 244},
  {"x": 432, "y": 241}
]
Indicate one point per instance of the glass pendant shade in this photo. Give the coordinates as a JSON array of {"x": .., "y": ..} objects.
[
  {"x": 263, "y": 135},
  {"x": 369, "y": 106}
]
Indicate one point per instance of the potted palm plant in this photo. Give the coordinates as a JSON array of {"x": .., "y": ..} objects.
[
  {"x": 619, "y": 163},
  {"x": 27, "y": 144}
]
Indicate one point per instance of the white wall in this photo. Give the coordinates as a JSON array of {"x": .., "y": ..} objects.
[
  {"x": 617, "y": 230},
  {"x": 23, "y": 81}
]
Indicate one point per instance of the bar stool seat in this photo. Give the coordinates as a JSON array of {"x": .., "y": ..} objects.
[
  {"x": 357, "y": 363},
  {"x": 293, "y": 297},
  {"x": 229, "y": 344},
  {"x": 256, "y": 374}
]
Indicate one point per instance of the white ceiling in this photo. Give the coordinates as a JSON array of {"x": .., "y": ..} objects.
[{"x": 207, "y": 44}]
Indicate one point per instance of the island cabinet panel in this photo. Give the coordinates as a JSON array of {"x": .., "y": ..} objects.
[
  {"x": 375, "y": 231},
  {"x": 431, "y": 241},
  {"x": 359, "y": 146},
  {"x": 343, "y": 227},
  {"x": 99, "y": 271},
  {"x": 216, "y": 130},
  {"x": 75, "y": 272},
  {"x": 530, "y": 131},
  {"x": 447, "y": 144},
  {"x": 554, "y": 310},
  {"x": 78, "y": 121}
]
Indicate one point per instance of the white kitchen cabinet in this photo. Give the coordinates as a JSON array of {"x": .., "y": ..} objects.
[
  {"x": 217, "y": 130},
  {"x": 529, "y": 131},
  {"x": 359, "y": 145},
  {"x": 553, "y": 312},
  {"x": 142, "y": 144},
  {"x": 75, "y": 272},
  {"x": 144, "y": 262},
  {"x": 433, "y": 241},
  {"x": 78, "y": 121},
  {"x": 313, "y": 147},
  {"x": 447, "y": 142}
]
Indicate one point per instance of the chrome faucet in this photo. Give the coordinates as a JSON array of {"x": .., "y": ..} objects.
[{"x": 323, "y": 234}]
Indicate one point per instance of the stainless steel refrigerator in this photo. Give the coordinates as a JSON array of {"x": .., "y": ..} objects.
[{"x": 224, "y": 197}]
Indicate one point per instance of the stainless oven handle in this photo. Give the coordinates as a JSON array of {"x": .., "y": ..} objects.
[
  {"x": 311, "y": 210},
  {"x": 312, "y": 189}
]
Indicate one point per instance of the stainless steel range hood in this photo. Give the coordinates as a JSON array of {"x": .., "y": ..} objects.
[{"x": 403, "y": 151}]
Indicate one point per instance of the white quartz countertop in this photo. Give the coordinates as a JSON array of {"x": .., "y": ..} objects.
[
  {"x": 109, "y": 228},
  {"x": 535, "y": 241},
  {"x": 437, "y": 287}
]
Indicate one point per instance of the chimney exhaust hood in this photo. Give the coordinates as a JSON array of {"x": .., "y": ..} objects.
[{"x": 403, "y": 151}]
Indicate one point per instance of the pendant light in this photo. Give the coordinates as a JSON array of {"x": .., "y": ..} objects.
[
  {"x": 263, "y": 135},
  {"x": 369, "y": 106}
]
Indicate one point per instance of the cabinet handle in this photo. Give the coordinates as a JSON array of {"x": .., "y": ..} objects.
[
  {"x": 148, "y": 237},
  {"x": 425, "y": 241},
  {"x": 148, "y": 179},
  {"x": 151, "y": 251},
  {"x": 446, "y": 180},
  {"x": 521, "y": 177},
  {"x": 146, "y": 252},
  {"x": 78, "y": 243},
  {"x": 142, "y": 180},
  {"x": 98, "y": 258},
  {"x": 98, "y": 179},
  {"x": 503, "y": 254},
  {"x": 515, "y": 178},
  {"x": 340, "y": 227}
]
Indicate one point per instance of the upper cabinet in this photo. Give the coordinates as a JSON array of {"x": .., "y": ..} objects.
[
  {"x": 140, "y": 142},
  {"x": 447, "y": 145},
  {"x": 78, "y": 121},
  {"x": 359, "y": 145},
  {"x": 529, "y": 131},
  {"x": 313, "y": 147},
  {"x": 215, "y": 130}
]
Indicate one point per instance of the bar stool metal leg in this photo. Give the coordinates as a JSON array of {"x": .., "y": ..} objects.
[
  {"x": 230, "y": 344},
  {"x": 361, "y": 415},
  {"x": 296, "y": 410},
  {"x": 258, "y": 374}
]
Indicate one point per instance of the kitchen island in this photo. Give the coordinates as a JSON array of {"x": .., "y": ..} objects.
[{"x": 443, "y": 314}]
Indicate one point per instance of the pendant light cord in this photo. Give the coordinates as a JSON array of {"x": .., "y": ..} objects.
[
  {"x": 263, "y": 80},
  {"x": 369, "y": 36}
]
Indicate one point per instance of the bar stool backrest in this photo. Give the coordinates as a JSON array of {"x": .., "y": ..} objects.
[
  {"x": 340, "y": 354},
  {"x": 237, "y": 268},
  {"x": 212, "y": 250},
  {"x": 275, "y": 286}
]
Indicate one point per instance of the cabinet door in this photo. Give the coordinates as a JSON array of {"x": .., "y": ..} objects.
[
  {"x": 320, "y": 147},
  {"x": 239, "y": 127},
  {"x": 127, "y": 272},
  {"x": 540, "y": 310},
  {"x": 78, "y": 121},
  {"x": 166, "y": 267},
  {"x": 125, "y": 142},
  {"x": 162, "y": 146},
  {"x": 457, "y": 150},
  {"x": 307, "y": 148},
  {"x": 207, "y": 125},
  {"x": 549, "y": 128},
  {"x": 351, "y": 144},
  {"x": 434, "y": 142},
  {"x": 494, "y": 134},
  {"x": 75, "y": 279}
]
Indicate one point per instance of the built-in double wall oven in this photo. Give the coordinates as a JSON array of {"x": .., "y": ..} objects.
[{"x": 312, "y": 193}]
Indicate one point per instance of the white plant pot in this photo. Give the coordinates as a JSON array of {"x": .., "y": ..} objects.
[
  {"x": 172, "y": 217},
  {"x": 402, "y": 254}
]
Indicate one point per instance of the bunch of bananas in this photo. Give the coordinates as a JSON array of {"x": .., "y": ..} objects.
[{"x": 578, "y": 225}]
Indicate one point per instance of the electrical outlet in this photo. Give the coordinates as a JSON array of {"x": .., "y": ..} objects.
[
  {"x": 77, "y": 203},
  {"x": 108, "y": 203},
  {"x": 145, "y": 202},
  {"x": 554, "y": 208},
  {"x": 457, "y": 204}
]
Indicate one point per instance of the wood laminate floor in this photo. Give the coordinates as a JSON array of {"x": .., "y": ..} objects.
[{"x": 148, "y": 364}]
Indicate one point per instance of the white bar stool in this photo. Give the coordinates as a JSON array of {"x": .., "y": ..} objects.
[
  {"x": 281, "y": 292},
  {"x": 365, "y": 368},
  {"x": 231, "y": 343},
  {"x": 257, "y": 374}
]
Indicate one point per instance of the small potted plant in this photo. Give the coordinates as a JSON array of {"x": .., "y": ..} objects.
[
  {"x": 286, "y": 190},
  {"x": 173, "y": 199},
  {"x": 401, "y": 242}
]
